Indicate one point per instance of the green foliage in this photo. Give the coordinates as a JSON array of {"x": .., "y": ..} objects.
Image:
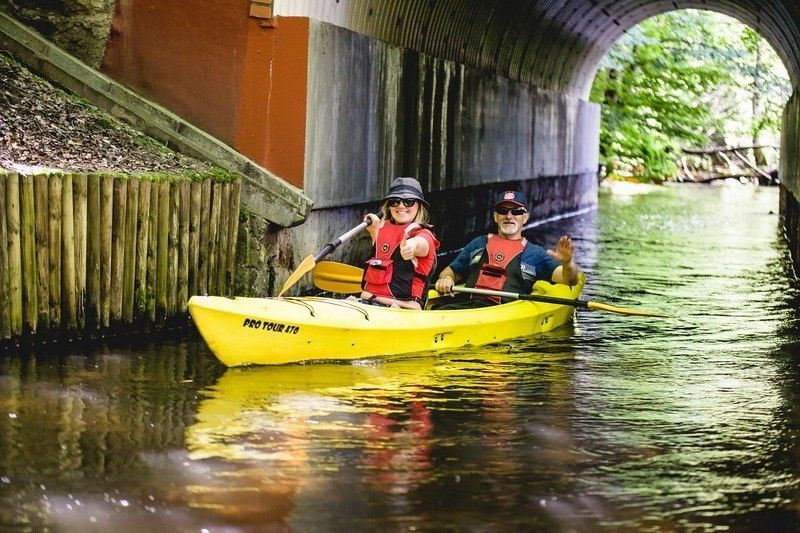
[
  {"x": 215, "y": 174},
  {"x": 680, "y": 79}
]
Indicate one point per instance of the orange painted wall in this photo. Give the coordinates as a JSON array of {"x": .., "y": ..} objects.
[
  {"x": 230, "y": 74},
  {"x": 272, "y": 111}
]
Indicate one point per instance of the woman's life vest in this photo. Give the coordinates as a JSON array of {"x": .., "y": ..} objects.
[
  {"x": 499, "y": 268},
  {"x": 388, "y": 274}
]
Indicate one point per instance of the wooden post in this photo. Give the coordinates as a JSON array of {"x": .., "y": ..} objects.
[
  {"x": 172, "y": 280},
  {"x": 142, "y": 234},
  {"x": 233, "y": 234},
  {"x": 129, "y": 267},
  {"x": 41, "y": 194},
  {"x": 54, "y": 184},
  {"x": 194, "y": 236},
  {"x": 163, "y": 249},
  {"x": 106, "y": 245},
  {"x": 68, "y": 304},
  {"x": 14, "y": 252},
  {"x": 152, "y": 251},
  {"x": 93, "y": 233},
  {"x": 5, "y": 307},
  {"x": 222, "y": 244},
  {"x": 182, "y": 289},
  {"x": 28, "y": 243},
  {"x": 216, "y": 203},
  {"x": 79, "y": 197},
  {"x": 118, "y": 247},
  {"x": 205, "y": 201}
]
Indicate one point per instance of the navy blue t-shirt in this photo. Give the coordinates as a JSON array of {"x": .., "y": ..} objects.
[{"x": 535, "y": 263}]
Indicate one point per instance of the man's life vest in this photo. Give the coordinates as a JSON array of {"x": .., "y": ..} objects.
[
  {"x": 500, "y": 267},
  {"x": 388, "y": 274}
]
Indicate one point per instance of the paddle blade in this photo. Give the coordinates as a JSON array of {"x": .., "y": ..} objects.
[
  {"x": 623, "y": 310},
  {"x": 304, "y": 268},
  {"x": 337, "y": 277}
]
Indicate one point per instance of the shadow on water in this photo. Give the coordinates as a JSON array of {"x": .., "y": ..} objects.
[{"x": 612, "y": 423}]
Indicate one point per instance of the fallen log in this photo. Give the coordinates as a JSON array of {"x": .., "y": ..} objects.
[{"x": 714, "y": 149}]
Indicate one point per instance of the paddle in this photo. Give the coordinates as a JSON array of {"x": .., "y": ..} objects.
[
  {"x": 337, "y": 277},
  {"x": 582, "y": 304},
  {"x": 342, "y": 278},
  {"x": 307, "y": 264}
]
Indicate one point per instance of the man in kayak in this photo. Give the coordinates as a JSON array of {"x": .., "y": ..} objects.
[
  {"x": 506, "y": 261},
  {"x": 404, "y": 249}
]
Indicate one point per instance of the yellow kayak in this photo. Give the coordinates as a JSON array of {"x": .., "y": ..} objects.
[{"x": 269, "y": 331}]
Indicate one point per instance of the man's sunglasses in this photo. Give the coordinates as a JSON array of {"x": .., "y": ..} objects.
[
  {"x": 394, "y": 202},
  {"x": 516, "y": 211}
]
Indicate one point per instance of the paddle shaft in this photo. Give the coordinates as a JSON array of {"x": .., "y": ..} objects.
[
  {"x": 331, "y": 246},
  {"x": 531, "y": 297},
  {"x": 307, "y": 264},
  {"x": 582, "y": 304}
]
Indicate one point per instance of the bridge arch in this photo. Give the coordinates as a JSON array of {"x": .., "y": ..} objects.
[{"x": 552, "y": 44}]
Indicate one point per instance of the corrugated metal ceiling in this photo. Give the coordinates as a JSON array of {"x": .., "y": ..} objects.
[{"x": 552, "y": 44}]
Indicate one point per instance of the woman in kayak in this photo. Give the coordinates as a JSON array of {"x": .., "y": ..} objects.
[{"x": 404, "y": 249}]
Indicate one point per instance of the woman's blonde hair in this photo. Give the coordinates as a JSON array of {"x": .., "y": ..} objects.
[{"x": 421, "y": 218}]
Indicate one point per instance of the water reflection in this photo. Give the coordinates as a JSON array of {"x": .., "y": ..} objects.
[
  {"x": 686, "y": 409},
  {"x": 78, "y": 423},
  {"x": 614, "y": 423}
]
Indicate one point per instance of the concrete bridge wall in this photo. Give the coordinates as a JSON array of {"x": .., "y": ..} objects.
[
  {"x": 789, "y": 174},
  {"x": 377, "y": 111}
]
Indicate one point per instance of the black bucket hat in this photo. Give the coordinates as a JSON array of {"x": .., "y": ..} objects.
[{"x": 405, "y": 188}]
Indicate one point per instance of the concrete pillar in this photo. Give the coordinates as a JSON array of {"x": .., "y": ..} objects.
[{"x": 789, "y": 175}]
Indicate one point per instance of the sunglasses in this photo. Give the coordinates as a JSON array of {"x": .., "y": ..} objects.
[
  {"x": 394, "y": 202},
  {"x": 516, "y": 211}
]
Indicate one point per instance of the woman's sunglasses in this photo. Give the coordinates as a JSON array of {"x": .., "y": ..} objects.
[
  {"x": 516, "y": 211},
  {"x": 394, "y": 202}
]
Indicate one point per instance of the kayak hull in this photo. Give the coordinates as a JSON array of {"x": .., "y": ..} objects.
[{"x": 268, "y": 331}]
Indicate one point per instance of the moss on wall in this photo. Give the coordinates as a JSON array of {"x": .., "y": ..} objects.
[{"x": 262, "y": 255}]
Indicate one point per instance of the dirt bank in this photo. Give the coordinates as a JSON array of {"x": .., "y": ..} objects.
[{"x": 42, "y": 126}]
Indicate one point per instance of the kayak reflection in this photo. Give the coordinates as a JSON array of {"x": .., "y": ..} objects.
[
  {"x": 274, "y": 432},
  {"x": 262, "y": 429}
]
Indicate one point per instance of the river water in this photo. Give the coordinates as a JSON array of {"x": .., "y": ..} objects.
[{"x": 612, "y": 423}]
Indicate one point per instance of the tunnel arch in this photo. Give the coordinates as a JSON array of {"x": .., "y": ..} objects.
[{"x": 555, "y": 45}]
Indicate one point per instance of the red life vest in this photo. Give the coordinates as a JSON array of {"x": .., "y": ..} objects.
[
  {"x": 388, "y": 274},
  {"x": 498, "y": 255}
]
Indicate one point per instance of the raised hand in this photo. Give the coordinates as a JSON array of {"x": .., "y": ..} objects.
[{"x": 564, "y": 250}]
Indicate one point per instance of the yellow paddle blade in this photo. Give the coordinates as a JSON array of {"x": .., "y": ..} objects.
[
  {"x": 337, "y": 277},
  {"x": 304, "y": 268},
  {"x": 622, "y": 310}
]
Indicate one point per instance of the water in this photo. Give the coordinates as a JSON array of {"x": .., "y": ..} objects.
[{"x": 613, "y": 423}]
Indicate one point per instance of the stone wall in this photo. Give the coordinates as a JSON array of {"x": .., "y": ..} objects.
[{"x": 81, "y": 27}]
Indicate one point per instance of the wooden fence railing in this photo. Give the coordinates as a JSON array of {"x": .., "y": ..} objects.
[{"x": 82, "y": 251}]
